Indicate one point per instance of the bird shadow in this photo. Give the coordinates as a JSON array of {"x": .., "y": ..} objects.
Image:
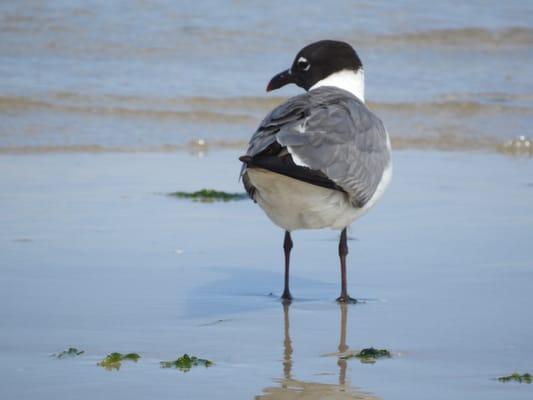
[{"x": 246, "y": 290}]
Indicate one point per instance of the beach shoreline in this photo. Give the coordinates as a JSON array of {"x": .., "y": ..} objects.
[{"x": 95, "y": 255}]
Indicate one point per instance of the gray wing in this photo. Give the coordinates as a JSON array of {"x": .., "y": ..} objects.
[
  {"x": 331, "y": 131},
  {"x": 286, "y": 113}
]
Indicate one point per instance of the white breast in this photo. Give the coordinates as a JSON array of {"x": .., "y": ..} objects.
[{"x": 292, "y": 204}]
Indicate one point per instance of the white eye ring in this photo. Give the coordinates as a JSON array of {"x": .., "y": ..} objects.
[{"x": 303, "y": 64}]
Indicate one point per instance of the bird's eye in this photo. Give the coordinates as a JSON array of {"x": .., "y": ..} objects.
[{"x": 303, "y": 64}]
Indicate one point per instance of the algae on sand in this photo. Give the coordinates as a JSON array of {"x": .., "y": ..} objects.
[
  {"x": 186, "y": 362},
  {"x": 114, "y": 360},
  {"x": 369, "y": 355},
  {"x": 209, "y": 196},
  {"x": 71, "y": 352},
  {"x": 516, "y": 377}
]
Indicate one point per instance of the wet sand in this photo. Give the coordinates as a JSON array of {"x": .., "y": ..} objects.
[{"x": 94, "y": 255}]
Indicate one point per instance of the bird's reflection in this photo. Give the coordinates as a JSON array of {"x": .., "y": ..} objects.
[
  {"x": 287, "y": 344},
  {"x": 342, "y": 343},
  {"x": 290, "y": 388}
]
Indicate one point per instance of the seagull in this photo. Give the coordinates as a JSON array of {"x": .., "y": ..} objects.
[{"x": 320, "y": 159}]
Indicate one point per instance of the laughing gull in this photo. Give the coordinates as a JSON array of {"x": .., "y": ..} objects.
[{"x": 322, "y": 158}]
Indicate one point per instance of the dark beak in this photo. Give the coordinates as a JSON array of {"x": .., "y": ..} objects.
[{"x": 281, "y": 79}]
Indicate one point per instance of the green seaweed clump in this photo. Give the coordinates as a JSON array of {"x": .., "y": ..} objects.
[
  {"x": 209, "y": 196},
  {"x": 114, "y": 360},
  {"x": 369, "y": 355},
  {"x": 186, "y": 362},
  {"x": 516, "y": 377},
  {"x": 71, "y": 352}
]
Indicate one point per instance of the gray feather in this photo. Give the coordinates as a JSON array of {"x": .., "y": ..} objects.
[{"x": 331, "y": 131}]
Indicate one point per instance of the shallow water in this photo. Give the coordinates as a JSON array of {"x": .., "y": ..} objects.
[
  {"x": 136, "y": 75},
  {"x": 95, "y": 256},
  {"x": 100, "y": 97}
]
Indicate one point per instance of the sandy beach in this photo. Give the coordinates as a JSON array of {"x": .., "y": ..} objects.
[
  {"x": 96, "y": 256},
  {"x": 107, "y": 107}
]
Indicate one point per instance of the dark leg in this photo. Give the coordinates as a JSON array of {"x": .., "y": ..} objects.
[
  {"x": 343, "y": 251},
  {"x": 287, "y": 246}
]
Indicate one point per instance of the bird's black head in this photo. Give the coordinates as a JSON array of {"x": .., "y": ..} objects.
[{"x": 316, "y": 62}]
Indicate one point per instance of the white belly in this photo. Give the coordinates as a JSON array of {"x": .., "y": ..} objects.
[{"x": 292, "y": 204}]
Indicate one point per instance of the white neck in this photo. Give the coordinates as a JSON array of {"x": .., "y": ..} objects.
[{"x": 351, "y": 81}]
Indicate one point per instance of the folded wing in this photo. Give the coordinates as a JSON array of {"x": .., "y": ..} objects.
[{"x": 335, "y": 136}]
